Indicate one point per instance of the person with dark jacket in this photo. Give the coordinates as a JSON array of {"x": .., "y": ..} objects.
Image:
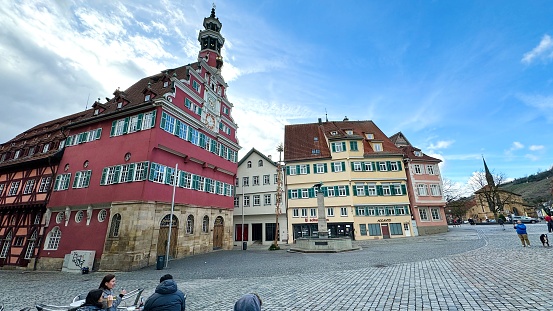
[
  {"x": 248, "y": 302},
  {"x": 95, "y": 302},
  {"x": 522, "y": 235},
  {"x": 166, "y": 297}
]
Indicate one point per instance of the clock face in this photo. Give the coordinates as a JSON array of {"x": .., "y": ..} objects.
[
  {"x": 210, "y": 121},
  {"x": 211, "y": 103}
]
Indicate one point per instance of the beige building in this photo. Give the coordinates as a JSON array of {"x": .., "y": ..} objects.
[
  {"x": 512, "y": 204},
  {"x": 363, "y": 181}
]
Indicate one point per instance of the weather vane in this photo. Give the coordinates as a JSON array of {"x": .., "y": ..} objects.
[{"x": 214, "y": 7}]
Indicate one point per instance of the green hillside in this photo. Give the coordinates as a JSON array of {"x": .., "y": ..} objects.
[{"x": 535, "y": 189}]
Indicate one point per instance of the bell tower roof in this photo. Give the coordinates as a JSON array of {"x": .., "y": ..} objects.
[{"x": 211, "y": 40}]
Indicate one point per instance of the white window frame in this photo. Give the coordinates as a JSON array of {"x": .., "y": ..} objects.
[
  {"x": 343, "y": 211},
  {"x": 417, "y": 169},
  {"x": 330, "y": 212},
  {"x": 267, "y": 179},
  {"x": 267, "y": 199},
  {"x": 371, "y": 190},
  {"x": 423, "y": 214},
  {"x": 53, "y": 239},
  {"x": 256, "y": 200},
  {"x": 430, "y": 170},
  {"x": 435, "y": 213},
  {"x": 421, "y": 190},
  {"x": 320, "y": 168},
  {"x": 360, "y": 190}
]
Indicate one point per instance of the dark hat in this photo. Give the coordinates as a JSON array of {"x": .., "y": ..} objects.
[{"x": 165, "y": 277}]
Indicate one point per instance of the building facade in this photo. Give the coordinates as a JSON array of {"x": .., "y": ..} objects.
[
  {"x": 362, "y": 175},
  {"x": 512, "y": 204},
  {"x": 28, "y": 166},
  {"x": 158, "y": 157},
  {"x": 255, "y": 201},
  {"x": 424, "y": 184}
]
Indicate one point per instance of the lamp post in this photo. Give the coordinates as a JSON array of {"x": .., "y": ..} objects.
[
  {"x": 171, "y": 217},
  {"x": 280, "y": 148}
]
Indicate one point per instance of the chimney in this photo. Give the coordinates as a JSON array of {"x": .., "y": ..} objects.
[{"x": 320, "y": 121}]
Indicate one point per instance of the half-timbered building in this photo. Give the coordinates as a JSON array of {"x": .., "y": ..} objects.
[{"x": 151, "y": 167}]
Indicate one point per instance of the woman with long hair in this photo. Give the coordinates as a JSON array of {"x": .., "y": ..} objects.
[{"x": 107, "y": 286}]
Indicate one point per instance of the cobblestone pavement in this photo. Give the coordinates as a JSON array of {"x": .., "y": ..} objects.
[{"x": 468, "y": 268}]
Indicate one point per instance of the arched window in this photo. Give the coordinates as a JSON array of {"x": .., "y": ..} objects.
[
  {"x": 102, "y": 215},
  {"x": 249, "y": 164},
  {"x": 190, "y": 224},
  {"x": 53, "y": 239},
  {"x": 115, "y": 223},
  {"x": 260, "y": 163},
  {"x": 6, "y": 245},
  {"x": 205, "y": 224}
]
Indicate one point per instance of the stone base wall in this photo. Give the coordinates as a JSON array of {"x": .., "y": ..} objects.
[
  {"x": 49, "y": 264},
  {"x": 428, "y": 230},
  {"x": 137, "y": 243}
]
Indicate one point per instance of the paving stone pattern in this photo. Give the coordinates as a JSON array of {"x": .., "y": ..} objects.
[{"x": 467, "y": 268}]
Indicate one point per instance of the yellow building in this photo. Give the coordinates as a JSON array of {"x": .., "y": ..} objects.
[
  {"x": 364, "y": 181},
  {"x": 512, "y": 204}
]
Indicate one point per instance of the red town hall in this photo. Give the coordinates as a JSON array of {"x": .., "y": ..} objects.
[{"x": 101, "y": 181}]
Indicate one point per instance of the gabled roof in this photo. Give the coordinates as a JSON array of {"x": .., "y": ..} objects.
[
  {"x": 301, "y": 140},
  {"x": 409, "y": 150},
  {"x": 409, "y": 153},
  {"x": 400, "y": 140},
  {"x": 253, "y": 150}
]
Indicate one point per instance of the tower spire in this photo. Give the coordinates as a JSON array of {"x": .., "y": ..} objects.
[{"x": 489, "y": 177}]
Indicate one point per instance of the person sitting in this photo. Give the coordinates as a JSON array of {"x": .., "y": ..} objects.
[
  {"x": 107, "y": 286},
  {"x": 95, "y": 301},
  {"x": 166, "y": 297},
  {"x": 248, "y": 302}
]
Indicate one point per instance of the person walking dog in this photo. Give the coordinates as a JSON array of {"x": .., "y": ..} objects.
[{"x": 522, "y": 235}]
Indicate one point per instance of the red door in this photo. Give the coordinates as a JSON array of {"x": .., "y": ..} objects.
[
  {"x": 385, "y": 231},
  {"x": 238, "y": 232}
]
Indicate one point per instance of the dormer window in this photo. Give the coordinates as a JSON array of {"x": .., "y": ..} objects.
[
  {"x": 147, "y": 97},
  {"x": 315, "y": 138},
  {"x": 165, "y": 83},
  {"x": 369, "y": 136},
  {"x": 349, "y": 132},
  {"x": 119, "y": 105},
  {"x": 16, "y": 155},
  {"x": 418, "y": 154},
  {"x": 333, "y": 133},
  {"x": 45, "y": 148},
  {"x": 96, "y": 111},
  {"x": 377, "y": 147}
]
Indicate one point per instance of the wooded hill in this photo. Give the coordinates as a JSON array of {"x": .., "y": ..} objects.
[{"x": 535, "y": 189}]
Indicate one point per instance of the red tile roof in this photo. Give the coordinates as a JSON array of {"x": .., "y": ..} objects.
[
  {"x": 51, "y": 131},
  {"x": 299, "y": 139}
]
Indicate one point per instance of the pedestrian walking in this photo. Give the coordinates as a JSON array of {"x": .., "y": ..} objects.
[
  {"x": 166, "y": 297},
  {"x": 522, "y": 235},
  {"x": 248, "y": 302},
  {"x": 501, "y": 222},
  {"x": 549, "y": 222}
]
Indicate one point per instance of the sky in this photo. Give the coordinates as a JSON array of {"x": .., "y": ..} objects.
[{"x": 461, "y": 80}]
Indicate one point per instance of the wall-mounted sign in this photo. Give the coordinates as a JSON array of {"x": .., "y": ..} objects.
[{"x": 384, "y": 220}]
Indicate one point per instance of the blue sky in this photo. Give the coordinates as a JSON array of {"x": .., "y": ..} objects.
[{"x": 461, "y": 79}]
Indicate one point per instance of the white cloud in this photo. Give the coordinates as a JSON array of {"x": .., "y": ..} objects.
[
  {"x": 544, "y": 50},
  {"x": 544, "y": 104},
  {"x": 531, "y": 157},
  {"x": 442, "y": 144},
  {"x": 536, "y": 147},
  {"x": 517, "y": 145}
]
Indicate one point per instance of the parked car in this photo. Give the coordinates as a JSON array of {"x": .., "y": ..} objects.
[{"x": 525, "y": 219}]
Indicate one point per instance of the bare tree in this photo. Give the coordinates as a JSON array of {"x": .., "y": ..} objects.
[
  {"x": 451, "y": 190},
  {"x": 458, "y": 208},
  {"x": 486, "y": 188}
]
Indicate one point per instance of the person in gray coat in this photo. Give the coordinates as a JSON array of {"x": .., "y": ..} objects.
[
  {"x": 166, "y": 297},
  {"x": 248, "y": 302}
]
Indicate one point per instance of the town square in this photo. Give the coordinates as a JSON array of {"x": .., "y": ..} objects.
[{"x": 468, "y": 268}]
